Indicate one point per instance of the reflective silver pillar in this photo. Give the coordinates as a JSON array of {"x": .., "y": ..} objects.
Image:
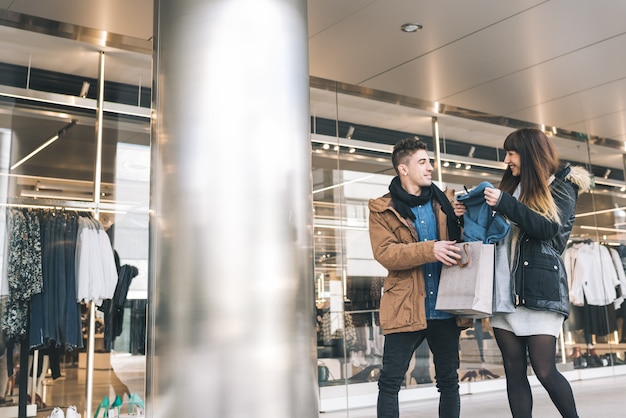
[{"x": 231, "y": 309}]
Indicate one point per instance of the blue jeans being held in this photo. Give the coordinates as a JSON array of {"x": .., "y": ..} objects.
[{"x": 443, "y": 339}]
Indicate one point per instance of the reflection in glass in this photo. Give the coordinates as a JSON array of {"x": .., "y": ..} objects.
[{"x": 348, "y": 170}]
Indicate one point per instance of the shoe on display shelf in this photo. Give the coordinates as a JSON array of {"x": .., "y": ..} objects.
[
  {"x": 71, "y": 412},
  {"x": 57, "y": 413}
]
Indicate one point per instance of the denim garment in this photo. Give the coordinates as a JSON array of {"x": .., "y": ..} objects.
[
  {"x": 426, "y": 226},
  {"x": 72, "y": 337},
  {"x": 481, "y": 222},
  {"x": 443, "y": 339},
  {"x": 55, "y": 313}
]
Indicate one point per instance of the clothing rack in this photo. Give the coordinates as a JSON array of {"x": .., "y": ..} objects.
[{"x": 23, "y": 409}]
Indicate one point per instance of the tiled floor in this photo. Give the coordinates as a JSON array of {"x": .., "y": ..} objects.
[
  {"x": 126, "y": 376},
  {"x": 596, "y": 396}
]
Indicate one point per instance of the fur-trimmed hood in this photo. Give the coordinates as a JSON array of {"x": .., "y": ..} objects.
[{"x": 579, "y": 177}]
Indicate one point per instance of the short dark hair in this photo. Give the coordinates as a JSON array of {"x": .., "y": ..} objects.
[{"x": 404, "y": 149}]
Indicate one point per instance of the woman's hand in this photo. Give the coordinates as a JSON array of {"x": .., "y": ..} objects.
[{"x": 492, "y": 195}]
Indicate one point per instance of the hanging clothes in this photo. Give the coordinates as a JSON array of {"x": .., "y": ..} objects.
[
  {"x": 52, "y": 255},
  {"x": 114, "y": 308},
  {"x": 96, "y": 274},
  {"x": 592, "y": 278},
  {"x": 591, "y": 274},
  {"x": 621, "y": 277},
  {"x": 55, "y": 313},
  {"x": 24, "y": 270}
]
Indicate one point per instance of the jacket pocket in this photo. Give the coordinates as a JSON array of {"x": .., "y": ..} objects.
[
  {"x": 396, "y": 304},
  {"x": 541, "y": 277}
]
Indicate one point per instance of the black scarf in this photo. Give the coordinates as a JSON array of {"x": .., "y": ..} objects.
[{"x": 404, "y": 201}]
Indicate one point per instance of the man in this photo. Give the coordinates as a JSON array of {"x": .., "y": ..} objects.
[{"x": 412, "y": 231}]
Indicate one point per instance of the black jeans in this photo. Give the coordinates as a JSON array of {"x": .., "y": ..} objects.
[{"x": 443, "y": 339}]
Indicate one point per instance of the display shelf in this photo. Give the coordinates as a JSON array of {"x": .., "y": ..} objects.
[
  {"x": 12, "y": 411},
  {"x": 101, "y": 361}
]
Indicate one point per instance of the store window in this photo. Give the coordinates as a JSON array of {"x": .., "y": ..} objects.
[
  {"x": 353, "y": 131},
  {"x": 90, "y": 231}
]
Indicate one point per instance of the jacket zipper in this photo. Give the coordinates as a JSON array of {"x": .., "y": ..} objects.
[{"x": 518, "y": 245}]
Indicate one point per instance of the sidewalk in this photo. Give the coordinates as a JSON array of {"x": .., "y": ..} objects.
[{"x": 598, "y": 397}]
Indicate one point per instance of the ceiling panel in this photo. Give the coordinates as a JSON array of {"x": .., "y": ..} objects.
[
  {"x": 369, "y": 42},
  {"x": 533, "y": 60},
  {"x": 525, "y": 42},
  {"x": 131, "y": 18},
  {"x": 558, "y": 62},
  {"x": 599, "y": 110}
]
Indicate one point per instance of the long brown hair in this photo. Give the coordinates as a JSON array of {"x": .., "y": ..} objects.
[{"x": 538, "y": 161}]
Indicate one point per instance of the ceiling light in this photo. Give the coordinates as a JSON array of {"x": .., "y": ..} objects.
[
  {"x": 326, "y": 146},
  {"x": 84, "y": 90},
  {"x": 350, "y": 132},
  {"x": 467, "y": 167},
  {"x": 458, "y": 165},
  {"x": 446, "y": 164},
  {"x": 352, "y": 150},
  {"x": 411, "y": 27},
  {"x": 44, "y": 145},
  {"x": 54, "y": 195}
]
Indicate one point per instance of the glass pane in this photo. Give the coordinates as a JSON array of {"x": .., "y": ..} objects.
[
  {"x": 594, "y": 333},
  {"x": 47, "y": 168},
  {"x": 353, "y": 132}
]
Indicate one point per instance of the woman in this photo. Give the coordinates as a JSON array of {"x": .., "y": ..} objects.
[{"x": 539, "y": 202}]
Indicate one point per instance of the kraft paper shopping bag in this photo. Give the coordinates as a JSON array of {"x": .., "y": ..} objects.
[{"x": 466, "y": 289}]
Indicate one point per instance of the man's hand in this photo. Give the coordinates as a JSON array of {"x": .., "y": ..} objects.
[{"x": 447, "y": 252}]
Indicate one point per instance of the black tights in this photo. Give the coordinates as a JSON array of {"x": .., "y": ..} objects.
[{"x": 542, "y": 353}]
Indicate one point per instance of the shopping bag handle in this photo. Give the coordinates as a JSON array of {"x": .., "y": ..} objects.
[{"x": 467, "y": 257}]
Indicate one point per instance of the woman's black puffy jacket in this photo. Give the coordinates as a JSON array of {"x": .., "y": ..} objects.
[{"x": 537, "y": 266}]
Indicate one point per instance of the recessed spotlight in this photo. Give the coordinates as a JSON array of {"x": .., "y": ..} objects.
[{"x": 411, "y": 27}]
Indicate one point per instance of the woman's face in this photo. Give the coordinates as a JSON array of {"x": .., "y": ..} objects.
[{"x": 512, "y": 159}]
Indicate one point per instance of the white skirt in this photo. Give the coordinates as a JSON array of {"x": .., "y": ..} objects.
[{"x": 525, "y": 322}]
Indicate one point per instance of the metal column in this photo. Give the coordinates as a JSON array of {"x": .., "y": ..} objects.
[
  {"x": 97, "y": 179},
  {"x": 231, "y": 308},
  {"x": 437, "y": 150}
]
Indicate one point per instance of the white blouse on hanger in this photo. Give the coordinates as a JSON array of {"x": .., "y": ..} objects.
[
  {"x": 591, "y": 274},
  {"x": 96, "y": 273},
  {"x": 621, "y": 276}
]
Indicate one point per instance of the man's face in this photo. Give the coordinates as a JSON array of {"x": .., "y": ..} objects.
[{"x": 417, "y": 170}]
